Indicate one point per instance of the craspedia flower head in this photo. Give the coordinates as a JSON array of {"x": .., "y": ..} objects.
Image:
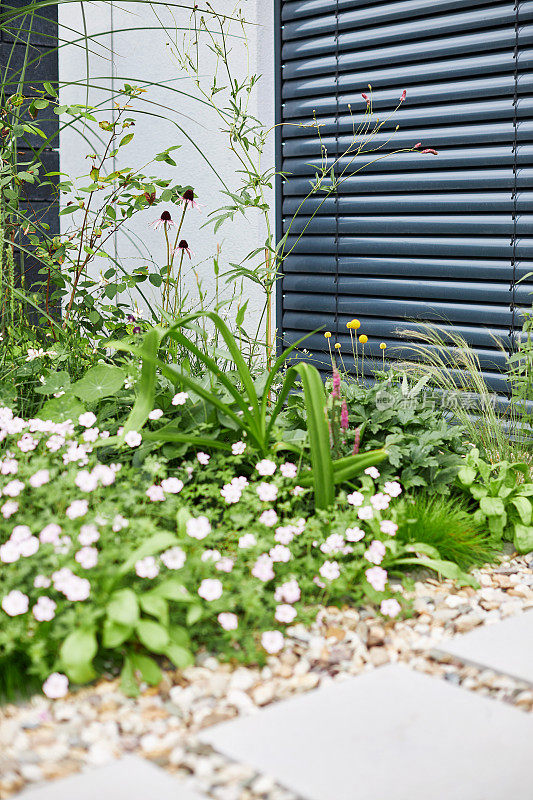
[
  {"x": 327, "y": 335},
  {"x": 354, "y": 324},
  {"x": 337, "y": 346},
  {"x": 363, "y": 338},
  {"x": 382, "y": 346}
]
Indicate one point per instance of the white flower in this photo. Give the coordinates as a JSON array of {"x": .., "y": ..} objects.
[
  {"x": 91, "y": 435},
  {"x": 39, "y": 478},
  {"x": 268, "y": 517},
  {"x": 267, "y": 492},
  {"x": 390, "y": 607},
  {"x": 86, "y": 481},
  {"x": 174, "y": 558},
  {"x": 247, "y": 540},
  {"x": 180, "y": 399},
  {"x": 20, "y": 532},
  {"x": 225, "y": 564},
  {"x": 210, "y": 589},
  {"x": 9, "y": 552},
  {"x": 285, "y": 613},
  {"x": 231, "y": 493},
  {"x": 272, "y": 641},
  {"x": 241, "y": 482},
  {"x": 55, "y": 686},
  {"x": 288, "y": 470},
  {"x": 211, "y": 555},
  {"x": 373, "y": 472},
  {"x": 13, "y": 488},
  {"x": 155, "y": 493},
  {"x": 87, "y": 557},
  {"x": 44, "y": 610},
  {"x": 15, "y": 603},
  {"x": 77, "y": 589},
  {"x": 63, "y": 545},
  {"x": 41, "y": 582},
  {"x": 87, "y": 419},
  {"x": 78, "y": 508},
  {"x": 119, "y": 522},
  {"x": 27, "y": 443},
  {"x": 365, "y": 512},
  {"x": 50, "y": 533},
  {"x": 28, "y": 547},
  {"x": 133, "y": 438},
  {"x": 388, "y": 527},
  {"x": 9, "y": 508},
  {"x": 297, "y": 491},
  {"x": 262, "y": 569},
  {"x": 55, "y": 442},
  {"x": 375, "y": 552},
  {"x": 280, "y": 553},
  {"x": 198, "y": 527},
  {"x": 172, "y": 485},
  {"x": 155, "y": 414},
  {"x": 147, "y": 567},
  {"x": 203, "y": 458},
  {"x": 377, "y": 578},
  {"x": 265, "y": 467},
  {"x": 104, "y": 474},
  {"x": 355, "y": 499},
  {"x": 354, "y": 534},
  {"x": 288, "y": 592},
  {"x": 285, "y": 534},
  {"x": 393, "y": 488},
  {"x": 333, "y": 544},
  {"x": 228, "y": 621},
  {"x": 330, "y": 570},
  {"x": 9, "y": 466},
  {"x": 238, "y": 448},
  {"x": 380, "y": 501}
]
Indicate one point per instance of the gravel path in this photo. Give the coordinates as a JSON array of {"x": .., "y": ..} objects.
[{"x": 44, "y": 740}]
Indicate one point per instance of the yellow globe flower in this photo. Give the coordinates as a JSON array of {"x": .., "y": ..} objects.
[
  {"x": 355, "y": 324},
  {"x": 327, "y": 335},
  {"x": 337, "y": 345},
  {"x": 383, "y": 346},
  {"x": 363, "y": 338}
]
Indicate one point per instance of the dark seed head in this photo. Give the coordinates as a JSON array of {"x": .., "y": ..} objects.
[
  {"x": 183, "y": 245},
  {"x": 165, "y": 216},
  {"x": 188, "y": 195}
]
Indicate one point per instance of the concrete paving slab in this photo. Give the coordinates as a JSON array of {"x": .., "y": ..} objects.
[
  {"x": 391, "y": 733},
  {"x": 505, "y": 646},
  {"x": 129, "y": 778}
]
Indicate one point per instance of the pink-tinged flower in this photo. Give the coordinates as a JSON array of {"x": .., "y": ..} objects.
[
  {"x": 365, "y": 98},
  {"x": 147, "y": 568},
  {"x": 333, "y": 544},
  {"x": 240, "y": 481},
  {"x": 355, "y": 499},
  {"x": 393, "y": 488},
  {"x": 344, "y": 416},
  {"x": 63, "y": 545},
  {"x": 330, "y": 570},
  {"x": 288, "y": 592},
  {"x": 155, "y": 493},
  {"x": 183, "y": 246},
  {"x": 172, "y": 485},
  {"x": 104, "y": 474},
  {"x": 77, "y": 589},
  {"x": 403, "y": 95},
  {"x": 165, "y": 220},
  {"x": 85, "y": 481},
  {"x": 388, "y": 527},
  {"x": 203, "y": 458},
  {"x": 210, "y": 589},
  {"x": 280, "y": 553},
  {"x": 198, "y": 527},
  {"x": 78, "y": 508},
  {"x": 55, "y": 686},
  {"x": 87, "y": 419},
  {"x": 336, "y": 383},
  {"x": 429, "y": 150},
  {"x": 229, "y": 621},
  {"x": 247, "y": 540},
  {"x": 272, "y": 641},
  {"x": 9, "y": 466},
  {"x": 28, "y": 547},
  {"x": 20, "y": 532},
  {"x": 119, "y": 522},
  {"x": 297, "y": 491},
  {"x": 356, "y": 442},
  {"x": 373, "y": 472},
  {"x": 285, "y": 534},
  {"x": 267, "y": 492},
  {"x": 289, "y": 470},
  {"x": 377, "y": 578},
  {"x": 27, "y": 443},
  {"x": 231, "y": 493},
  {"x": 380, "y": 501},
  {"x": 9, "y": 508},
  {"x": 262, "y": 569},
  {"x": 265, "y": 467},
  {"x": 9, "y": 552},
  {"x": 211, "y": 555},
  {"x": 15, "y": 603},
  {"x": 238, "y": 448},
  {"x": 285, "y": 613},
  {"x": 180, "y": 399},
  {"x": 174, "y": 558},
  {"x": 87, "y": 557},
  {"x": 354, "y": 534},
  {"x": 390, "y": 607},
  {"x": 365, "y": 512},
  {"x": 269, "y": 517},
  {"x": 318, "y": 582},
  {"x": 225, "y": 564},
  {"x": 44, "y": 610},
  {"x": 55, "y": 443},
  {"x": 13, "y": 488},
  {"x": 375, "y": 552},
  {"x": 50, "y": 533},
  {"x": 41, "y": 582},
  {"x": 156, "y": 413},
  {"x": 188, "y": 199},
  {"x": 39, "y": 478},
  {"x": 133, "y": 438}
]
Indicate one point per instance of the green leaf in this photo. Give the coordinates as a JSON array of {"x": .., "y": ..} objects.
[
  {"x": 155, "y": 605},
  {"x": 77, "y": 653},
  {"x": 126, "y": 139},
  {"x": 100, "y": 381},
  {"x": 128, "y": 683},
  {"x": 523, "y": 538},
  {"x": 123, "y": 607},
  {"x": 171, "y": 589},
  {"x": 149, "y": 670},
  {"x": 524, "y": 508},
  {"x": 492, "y": 506},
  {"x": 194, "y": 613},
  {"x": 55, "y": 382},
  {"x": 467, "y": 475},
  {"x": 114, "y": 634},
  {"x": 180, "y": 656},
  {"x": 152, "y": 635},
  {"x": 59, "y": 409},
  {"x": 447, "y": 569}
]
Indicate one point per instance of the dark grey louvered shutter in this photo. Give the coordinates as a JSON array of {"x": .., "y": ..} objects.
[{"x": 430, "y": 238}]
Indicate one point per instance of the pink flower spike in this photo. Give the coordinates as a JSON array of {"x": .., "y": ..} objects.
[
  {"x": 430, "y": 150},
  {"x": 417, "y": 145},
  {"x": 344, "y": 416},
  {"x": 366, "y": 98},
  {"x": 403, "y": 95}
]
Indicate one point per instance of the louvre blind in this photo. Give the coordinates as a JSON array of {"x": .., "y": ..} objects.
[{"x": 410, "y": 238}]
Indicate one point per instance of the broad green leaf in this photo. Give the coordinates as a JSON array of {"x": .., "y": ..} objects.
[
  {"x": 55, "y": 382},
  {"x": 194, "y": 613},
  {"x": 180, "y": 656},
  {"x": 524, "y": 508},
  {"x": 123, "y": 607},
  {"x": 172, "y": 589},
  {"x": 100, "y": 381},
  {"x": 77, "y": 653},
  {"x": 523, "y": 538},
  {"x": 59, "y": 409},
  {"x": 447, "y": 569},
  {"x": 492, "y": 506},
  {"x": 128, "y": 684},
  {"x": 467, "y": 475},
  {"x": 149, "y": 670},
  {"x": 155, "y": 605},
  {"x": 152, "y": 635},
  {"x": 114, "y": 634}
]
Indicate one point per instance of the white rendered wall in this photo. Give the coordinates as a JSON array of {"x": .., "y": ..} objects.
[{"x": 144, "y": 56}]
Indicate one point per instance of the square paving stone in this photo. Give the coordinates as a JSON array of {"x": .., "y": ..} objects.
[
  {"x": 503, "y": 647},
  {"x": 390, "y": 734},
  {"x": 129, "y": 778}
]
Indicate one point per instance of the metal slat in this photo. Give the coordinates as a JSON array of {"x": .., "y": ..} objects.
[
  {"x": 471, "y": 203},
  {"x": 458, "y": 226}
]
